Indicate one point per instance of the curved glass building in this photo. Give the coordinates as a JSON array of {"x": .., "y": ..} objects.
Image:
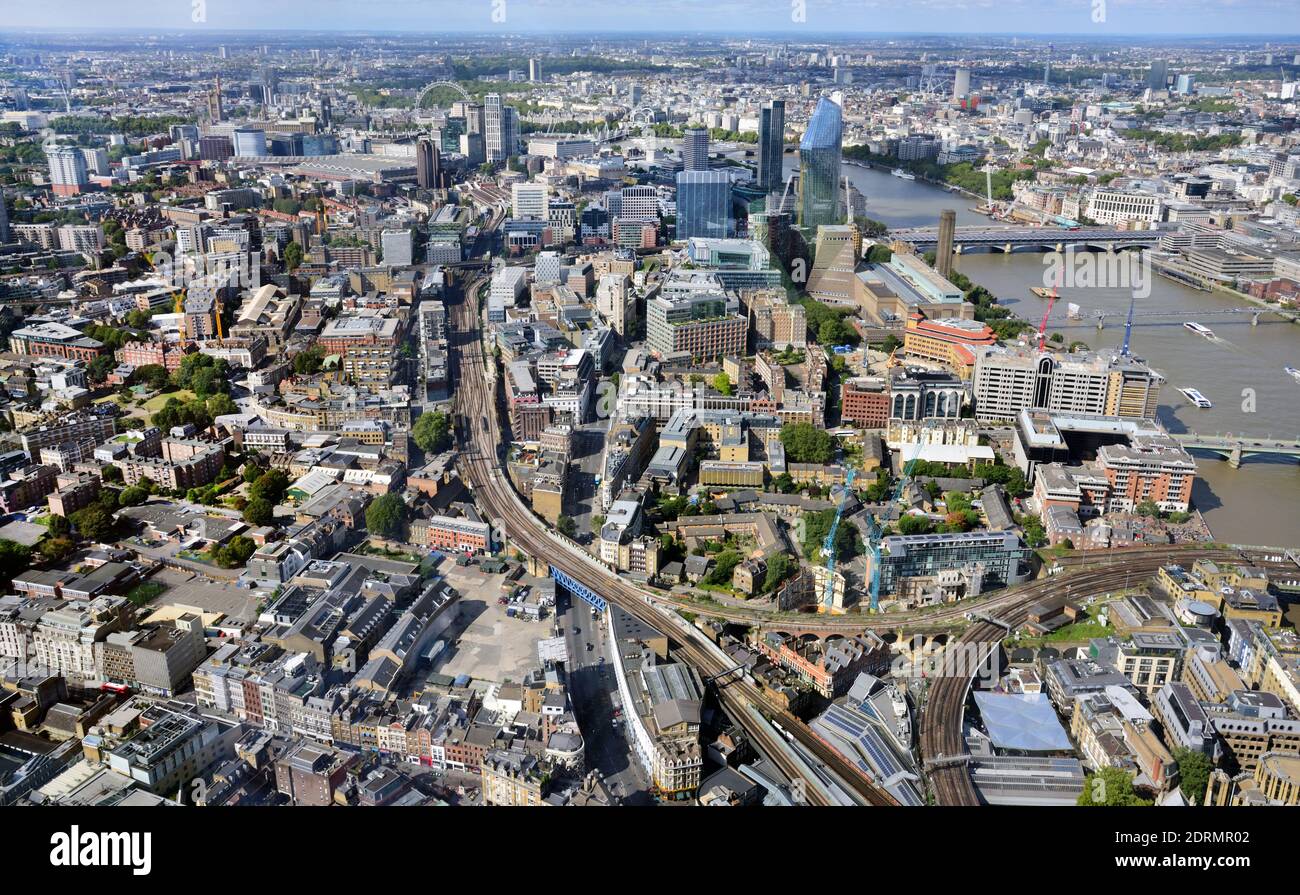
[{"x": 819, "y": 167}]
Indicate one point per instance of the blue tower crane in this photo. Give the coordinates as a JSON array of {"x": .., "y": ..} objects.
[
  {"x": 1128, "y": 325},
  {"x": 828, "y": 545}
]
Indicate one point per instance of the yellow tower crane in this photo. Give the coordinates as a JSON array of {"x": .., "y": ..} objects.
[{"x": 179, "y": 308}]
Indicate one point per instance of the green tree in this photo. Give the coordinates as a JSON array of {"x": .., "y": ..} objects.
[
  {"x": 59, "y": 526},
  {"x": 386, "y": 516},
  {"x": 567, "y": 526},
  {"x": 880, "y": 489},
  {"x": 221, "y": 404},
  {"x": 56, "y": 549},
  {"x": 14, "y": 558},
  {"x": 133, "y": 496},
  {"x": 805, "y": 443},
  {"x": 234, "y": 552},
  {"x": 153, "y": 375},
  {"x": 259, "y": 511},
  {"x": 270, "y": 486},
  {"x": 815, "y": 528},
  {"x": 432, "y": 432},
  {"x": 915, "y": 525},
  {"x": 94, "y": 522},
  {"x": 99, "y": 368},
  {"x": 1110, "y": 787},
  {"x": 306, "y": 363},
  {"x": 1193, "y": 774},
  {"x": 204, "y": 375},
  {"x": 292, "y": 256},
  {"x": 779, "y": 568},
  {"x": 178, "y": 413},
  {"x": 722, "y": 384},
  {"x": 723, "y": 565},
  {"x": 879, "y": 254},
  {"x": 1035, "y": 534},
  {"x": 139, "y": 319}
]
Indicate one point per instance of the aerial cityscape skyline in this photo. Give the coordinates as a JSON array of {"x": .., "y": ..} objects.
[{"x": 564, "y": 412}]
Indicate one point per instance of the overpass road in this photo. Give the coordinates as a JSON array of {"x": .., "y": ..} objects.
[
  {"x": 478, "y": 427},
  {"x": 823, "y": 775}
]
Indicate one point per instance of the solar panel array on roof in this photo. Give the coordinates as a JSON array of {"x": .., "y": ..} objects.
[{"x": 865, "y": 745}]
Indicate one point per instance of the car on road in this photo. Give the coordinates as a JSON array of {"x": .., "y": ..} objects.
[
  {"x": 577, "y": 630},
  {"x": 590, "y": 648}
]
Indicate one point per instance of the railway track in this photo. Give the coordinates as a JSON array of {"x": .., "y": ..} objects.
[
  {"x": 955, "y": 613},
  {"x": 941, "y": 723},
  {"x": 478, "y": 414},
  {"x": 476, "y": 403}
]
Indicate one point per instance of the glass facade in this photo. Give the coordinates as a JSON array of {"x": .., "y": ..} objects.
[
  {"x": 771, "y": 145},
  {"x": 998, "y": 553},
  {"x": 819, "y": 167},
  {"x": 703, "y": 204}
]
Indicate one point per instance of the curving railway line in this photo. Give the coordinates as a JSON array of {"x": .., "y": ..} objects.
[
  {"x": 476, "y": 406},
  {"x": 941, "y": 744},
  {"x": 993, "y": 602}
]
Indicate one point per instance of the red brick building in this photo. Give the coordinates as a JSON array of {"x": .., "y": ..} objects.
[
  {"x": 164, "y": 354},
  {"x": 55, "y": 340},
  {"x": 865, "y": 401},
  {"x": 451, "y": 534}
]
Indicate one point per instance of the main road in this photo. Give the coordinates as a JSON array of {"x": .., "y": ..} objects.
[
  {"x": 805, "y": 758},
  {"x": 820, "y": 773}
]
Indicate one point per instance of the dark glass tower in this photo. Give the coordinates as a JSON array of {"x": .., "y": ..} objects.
[
  {"x": 771, "y": 145},
  {"x": 703, "y": 204}
]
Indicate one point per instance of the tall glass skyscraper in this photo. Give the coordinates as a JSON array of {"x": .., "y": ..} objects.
[
  {"x": 819, "y": 167},
  {"x": 502, "y": 125},
  {"x": 703, "y": 204},
  {"x": 695, "y": 149},
  {"x": 771, "y": 145}
]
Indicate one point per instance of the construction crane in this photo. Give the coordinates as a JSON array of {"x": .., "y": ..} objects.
[
  {"x": 876, "y": 533},
  {"x": 1051, "y": 300},
  {"x": 828, "y": 545},
  {"x": 1128, "y": 325},
  {"x": 220, "y": 336},
  {"x": 178, "y": 307}
]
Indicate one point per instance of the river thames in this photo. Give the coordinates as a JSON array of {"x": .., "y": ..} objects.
[{"x": 1240, "y": 370}]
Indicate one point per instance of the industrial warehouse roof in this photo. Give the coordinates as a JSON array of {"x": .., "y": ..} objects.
[{"x": 1022, "y": 722}]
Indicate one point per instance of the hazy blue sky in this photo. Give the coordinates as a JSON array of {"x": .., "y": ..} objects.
[{"x": 1260, "y": 17}]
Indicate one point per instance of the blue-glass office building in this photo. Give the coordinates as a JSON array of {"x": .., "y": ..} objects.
[
  {"x": 819, "y": 167},
  {"x": 703, "y": 204}
]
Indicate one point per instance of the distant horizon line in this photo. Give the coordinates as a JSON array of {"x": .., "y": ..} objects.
[{"x": 1272, "y": 37}]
